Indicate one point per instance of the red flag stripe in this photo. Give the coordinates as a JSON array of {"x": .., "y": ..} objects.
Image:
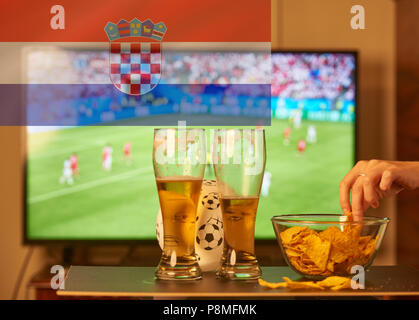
[{"x": 193, "y": 21}]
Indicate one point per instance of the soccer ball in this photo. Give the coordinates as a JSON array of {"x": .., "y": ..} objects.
[
  {"x": 211, "y": 201},
  {"x": 209, "y": 235}
]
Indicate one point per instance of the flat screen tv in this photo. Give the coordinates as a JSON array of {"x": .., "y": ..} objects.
[{"x": 72, "y": 195}]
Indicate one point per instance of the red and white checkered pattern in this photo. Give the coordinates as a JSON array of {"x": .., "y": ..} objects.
[{"x": 135, "y": 68}]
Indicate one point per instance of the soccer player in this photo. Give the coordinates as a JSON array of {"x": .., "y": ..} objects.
[
  {"x": 311, "y": 134},
  {"x": 74, "y": 164},
  {"x": 107, "y": 158},
  {"x": 67, "y": 176},
  {"x": 301, "y": 146},
  {"x": 266, "y": 184},
  {"x": 127, "y": 152},
  {"x": 287, "y": 135},
  {"x": 297, "y": 118}
]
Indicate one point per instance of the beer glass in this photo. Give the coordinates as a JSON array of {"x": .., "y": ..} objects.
[
  {"x": 239, "y": 157},
  {"x": 179, "y": 159}
]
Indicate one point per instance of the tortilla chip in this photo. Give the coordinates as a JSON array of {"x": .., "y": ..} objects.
[
  {"x": 301, "y": 284},
  {"x": 318, "y": 251},
  {"x": 293, "y": 253},
  {"x": 370, "y": 247},
  {"x": 354, "y": 232},
  {"x": 290, "y": 234},
  {"x": 333, "y": 281},
  {"x": 330, "y": 233},
  {"x": 363, "y": 241},
  {"x": 272, "y": 285},
  {"x": 330, "y": 266},
  {"x": 327, "y": 273},
  {"x": 343, "y": 286}
]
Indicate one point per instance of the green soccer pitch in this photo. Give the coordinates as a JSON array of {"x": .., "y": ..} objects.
[{"x": 122, "y": 204}]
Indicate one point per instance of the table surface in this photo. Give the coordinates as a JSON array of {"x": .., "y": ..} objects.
[{"x": 140, "y": 282}]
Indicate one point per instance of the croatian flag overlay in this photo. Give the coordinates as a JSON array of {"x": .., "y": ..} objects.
[{"x": 140, "y": 63}]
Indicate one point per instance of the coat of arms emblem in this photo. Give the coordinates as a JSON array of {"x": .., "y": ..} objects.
[{"x": 135, "y": 59}]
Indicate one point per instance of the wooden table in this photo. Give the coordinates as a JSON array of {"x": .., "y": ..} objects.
[{"x": 82, "y": 281}]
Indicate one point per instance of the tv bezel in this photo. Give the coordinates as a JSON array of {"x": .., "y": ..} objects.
[{"x": 145, "y": 241}]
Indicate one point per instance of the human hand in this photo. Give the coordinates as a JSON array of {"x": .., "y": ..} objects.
[{"x": 374, "y": 180}]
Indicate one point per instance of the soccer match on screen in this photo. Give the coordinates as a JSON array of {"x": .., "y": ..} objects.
[{"x": 82, "y": 177}]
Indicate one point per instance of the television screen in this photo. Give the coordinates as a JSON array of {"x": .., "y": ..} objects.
[{"x": 86, "y": 180}]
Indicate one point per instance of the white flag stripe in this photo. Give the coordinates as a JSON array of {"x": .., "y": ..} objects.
[{"x": 88, "y": 63}]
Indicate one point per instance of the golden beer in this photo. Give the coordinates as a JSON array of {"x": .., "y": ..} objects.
[
  {"x": 178, "y": 201},
  {"x": 239, "y": 216}
]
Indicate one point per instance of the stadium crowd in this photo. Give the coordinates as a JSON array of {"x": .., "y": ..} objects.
[
  {"x": 309, "y": 76},
  {"x": 79, "y": 75}
]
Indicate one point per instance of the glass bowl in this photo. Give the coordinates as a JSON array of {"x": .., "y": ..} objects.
[{"x": 321, "y": 245}]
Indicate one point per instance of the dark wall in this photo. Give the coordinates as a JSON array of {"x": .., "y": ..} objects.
[{"x": 408, "y": 125}]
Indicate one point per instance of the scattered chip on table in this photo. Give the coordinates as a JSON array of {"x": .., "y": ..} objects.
[{"x": 333, "y": 283}]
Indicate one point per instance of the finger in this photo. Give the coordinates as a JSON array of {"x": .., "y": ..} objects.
[
  {"x": 346, "y": 185},
  {"x": 370, "y": 196},
  {"x": 358, "y": 199},
  {"x": 344, "y": 196},
  {"x": 387, "y": 179}
]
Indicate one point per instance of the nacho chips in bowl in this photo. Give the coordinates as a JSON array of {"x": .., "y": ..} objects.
[{"x": 323, "y": 245}]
